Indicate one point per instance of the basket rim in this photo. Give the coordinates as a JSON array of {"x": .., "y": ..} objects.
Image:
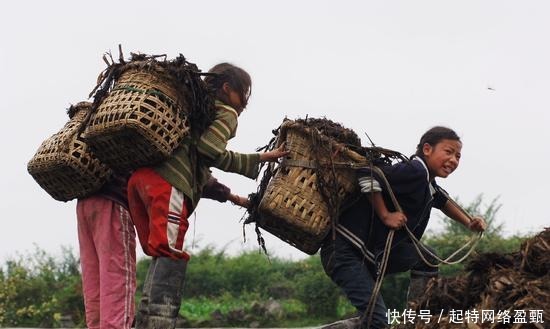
[
  {"x": 309, "y": 244},
  {"x": 288, "y": 125}
]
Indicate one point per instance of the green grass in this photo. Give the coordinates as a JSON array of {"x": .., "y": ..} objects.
[{"x": 199, "y": 311}]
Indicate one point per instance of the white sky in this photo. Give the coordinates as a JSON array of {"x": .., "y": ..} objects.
[{"x": 392, "y": 69}]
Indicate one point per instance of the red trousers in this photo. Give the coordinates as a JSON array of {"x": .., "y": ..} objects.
[
  {"x": 108, "y": 259},
  {"x": 159, "y": 212}
]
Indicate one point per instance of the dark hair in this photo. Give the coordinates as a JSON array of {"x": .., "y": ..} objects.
[
  {"x": 433, "y": 136},
  {"x": 237, "y": 78}
]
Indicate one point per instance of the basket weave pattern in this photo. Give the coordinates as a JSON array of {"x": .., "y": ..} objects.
[
  {"x": 139, "y": 123},
  {"x": 292, "y": 207},
  {"x": 63, "y": 164}
]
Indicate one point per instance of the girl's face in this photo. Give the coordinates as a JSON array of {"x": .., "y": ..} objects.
[
  {"x": 234, "y": 98},
  {"x": 443, "y": 158}
]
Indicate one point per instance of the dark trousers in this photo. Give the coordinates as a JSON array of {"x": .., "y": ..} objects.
[
  {"x": 162, "y": 293},
  {"x": 347, "y": 267}
]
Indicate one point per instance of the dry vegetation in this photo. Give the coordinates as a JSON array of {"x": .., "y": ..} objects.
[{"x": 515, "y": 286}]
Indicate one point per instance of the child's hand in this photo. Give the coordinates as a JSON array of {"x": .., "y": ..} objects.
[
  {"x": 394, "y": 220},
  {"x": 477, "y": 224},
  {"x": 275, "y": 154},
  {"x": 239, "y": 200}
]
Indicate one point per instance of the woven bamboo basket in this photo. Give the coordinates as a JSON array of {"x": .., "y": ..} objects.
[
  {"x": 292, "y": 207},
  {"x": 63, "y": 164},
  {"x": 140, "y": 122}
]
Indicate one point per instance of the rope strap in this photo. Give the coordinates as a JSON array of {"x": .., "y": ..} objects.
[
  {"x": 474, "y": 240},
  {"x": 312, "y": 164},
  {"x": 417, "y": 244}
]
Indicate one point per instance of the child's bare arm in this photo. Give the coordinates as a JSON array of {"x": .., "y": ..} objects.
[
  {"x": 239, "y": 200},
  {"x": 274, "y": 155},
  {"x": 394, "y": 220},
  {"x": 477, "y": 224}
]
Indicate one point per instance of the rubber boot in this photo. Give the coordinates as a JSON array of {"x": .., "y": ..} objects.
[
  {"x": 162, "y": 293},
  {"x": 417, "y": 288}
]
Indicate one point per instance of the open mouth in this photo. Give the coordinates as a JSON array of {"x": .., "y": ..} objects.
[{"x": 448, "y": 170}]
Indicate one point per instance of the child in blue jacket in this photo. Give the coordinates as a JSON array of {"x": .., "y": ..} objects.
[{"x": 352, "y": 258}]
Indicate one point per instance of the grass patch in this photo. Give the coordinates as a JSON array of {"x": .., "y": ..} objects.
[{"x": 248, "y": 308}]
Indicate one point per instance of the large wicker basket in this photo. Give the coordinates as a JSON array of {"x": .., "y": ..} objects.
[
  {"x": 140, "y": 122},
  {"x": 64, "y": 166},
  {"x": 292, "y": 207}
]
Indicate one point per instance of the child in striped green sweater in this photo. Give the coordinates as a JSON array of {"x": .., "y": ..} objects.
[{"x": 162, "y": 198}]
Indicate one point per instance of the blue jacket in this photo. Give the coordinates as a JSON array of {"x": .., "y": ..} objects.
[{"x": 409, "y": 181}]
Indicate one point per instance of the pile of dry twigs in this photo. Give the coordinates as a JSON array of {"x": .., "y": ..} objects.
[{"x": 496, "y": 291}]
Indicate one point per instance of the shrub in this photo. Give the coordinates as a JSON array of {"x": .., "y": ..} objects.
[
  {"x": 318, "y": 293},
  {"x": 36, "y": 290}
]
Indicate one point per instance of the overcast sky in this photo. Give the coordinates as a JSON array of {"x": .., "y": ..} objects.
[{"x": 391, "y": 69}]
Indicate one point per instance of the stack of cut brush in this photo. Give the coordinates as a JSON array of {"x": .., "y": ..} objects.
[
  {"x": 141, "y": 111},
  {"x": 514, "y": 287}
]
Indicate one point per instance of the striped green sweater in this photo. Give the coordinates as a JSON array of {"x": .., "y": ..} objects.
[{"x": 188, "y": 167}]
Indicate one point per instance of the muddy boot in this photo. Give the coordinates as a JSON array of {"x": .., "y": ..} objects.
[
  {"x": 417, "y": 288},
  {"x": 162, "y": 291},
  {"x": 142, "y": 311}
]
